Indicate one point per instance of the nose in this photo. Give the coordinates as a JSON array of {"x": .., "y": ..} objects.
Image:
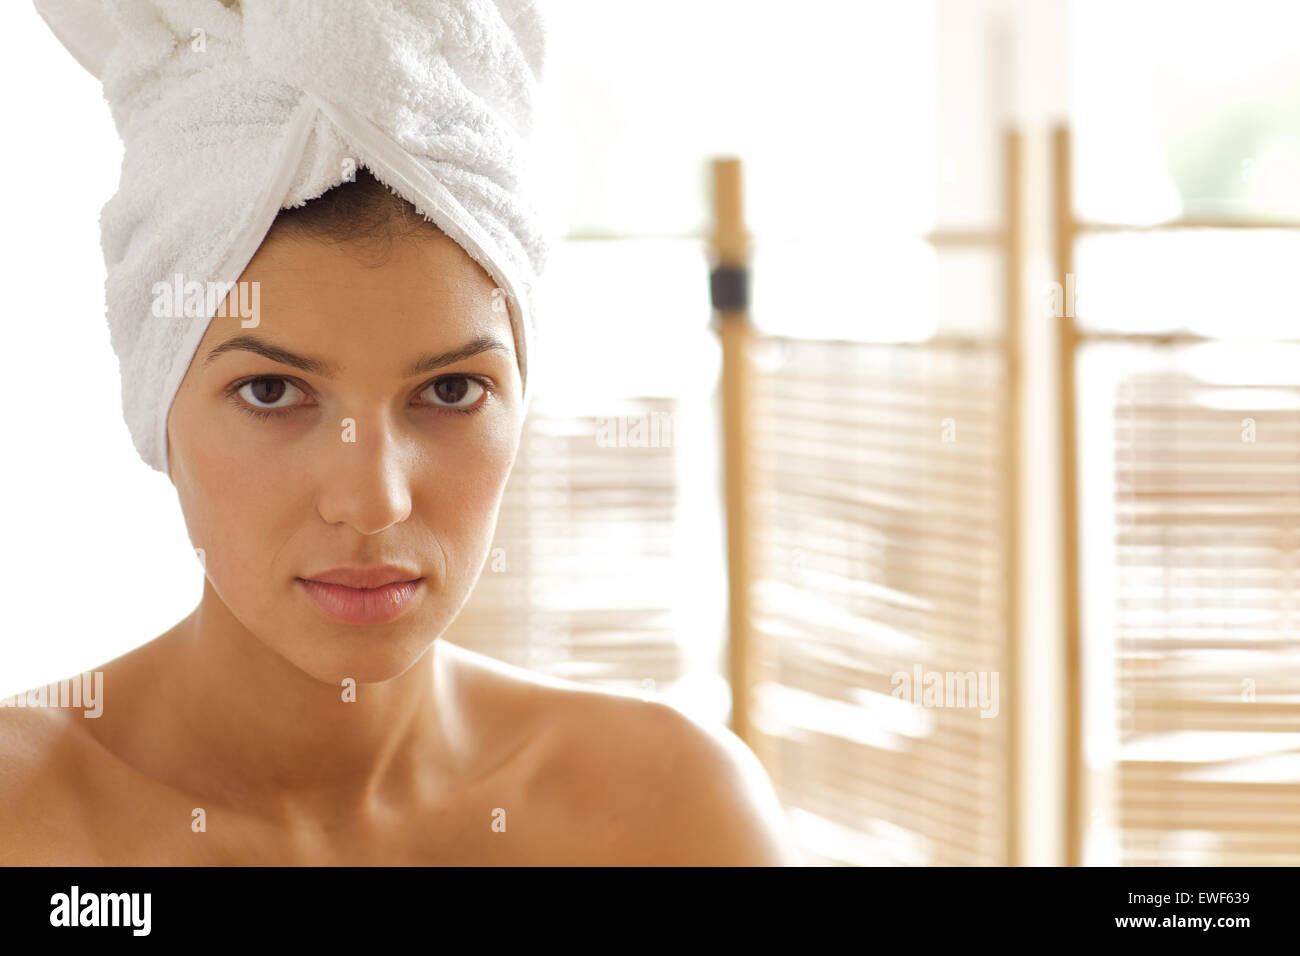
[{"x": 365, "y": 483}]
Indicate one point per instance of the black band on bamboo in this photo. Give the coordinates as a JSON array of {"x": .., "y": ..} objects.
[{"x": 729, "y": 288}]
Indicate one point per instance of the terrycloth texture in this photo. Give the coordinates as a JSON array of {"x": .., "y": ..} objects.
[{"x": 230, "y": 110}]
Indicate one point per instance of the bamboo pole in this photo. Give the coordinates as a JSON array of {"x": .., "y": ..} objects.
[
  {"x": 1013, "y": 433},
  {"x": 1191, "y": 222},
  {"x": 730, "y": 248},
  {"x": 1067, "y": 346}
]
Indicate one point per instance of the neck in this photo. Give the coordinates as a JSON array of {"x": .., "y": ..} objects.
[{"x": 215, "y": 712}]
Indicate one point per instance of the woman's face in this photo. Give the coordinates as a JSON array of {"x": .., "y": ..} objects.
[{"x": 366, "y": 457}]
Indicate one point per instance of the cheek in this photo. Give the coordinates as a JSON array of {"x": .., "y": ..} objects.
[
  {"x": 233, "y": 507},
  {"x": 461, "y": 491}
]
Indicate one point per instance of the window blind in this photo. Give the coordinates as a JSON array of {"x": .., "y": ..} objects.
[
  {"x": 1202, "y": 620},
  {"x": 879, "y": 550},
  {"x": 578, "y": 583}
]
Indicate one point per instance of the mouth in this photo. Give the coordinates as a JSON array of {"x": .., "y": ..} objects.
[{"x": 362, "y": 605}]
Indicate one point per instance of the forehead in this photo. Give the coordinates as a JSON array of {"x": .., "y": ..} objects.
[
  {"x": 427, "y": 270},
  {"x": 355, "y": 306}
]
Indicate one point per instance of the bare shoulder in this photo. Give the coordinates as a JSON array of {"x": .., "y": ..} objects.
[
  {"x": 28, "y": 741},
  {"x": 619, "y": 779},
  {"x": 37, "y": 758},
  {"x": 704, "y": 797},
  {"x": 644, "y": 783}
]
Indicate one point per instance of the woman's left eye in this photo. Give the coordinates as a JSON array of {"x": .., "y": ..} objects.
[
  {"x": 264, "y": 397},
  {"x": 462, "y": 393}
]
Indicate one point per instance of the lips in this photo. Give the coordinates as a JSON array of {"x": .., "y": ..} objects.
[
  {"x": 363, "y": 595},
  {"x": 364, "y": 577}
]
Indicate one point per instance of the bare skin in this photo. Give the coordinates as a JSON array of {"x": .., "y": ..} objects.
[{"x": 445, "y": 756}]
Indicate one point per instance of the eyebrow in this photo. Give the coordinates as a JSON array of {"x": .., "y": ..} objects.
[{"x": 425, "y": 363}]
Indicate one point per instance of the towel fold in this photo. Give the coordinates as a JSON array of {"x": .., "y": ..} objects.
[{"x": 230, "y": 110}]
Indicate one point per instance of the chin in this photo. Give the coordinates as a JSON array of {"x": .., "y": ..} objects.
[
  {"x": 330, "y": 650},
  {"x": 367, "y": 655}
]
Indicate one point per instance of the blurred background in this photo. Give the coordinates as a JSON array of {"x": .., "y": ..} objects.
[{"x": 1012, "y": 405}]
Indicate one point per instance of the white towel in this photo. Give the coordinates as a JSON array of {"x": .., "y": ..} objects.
[{"x": 230, "y": 110}]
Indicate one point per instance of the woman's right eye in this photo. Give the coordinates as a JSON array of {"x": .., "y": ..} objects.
[{"x": 267, "y": 394}]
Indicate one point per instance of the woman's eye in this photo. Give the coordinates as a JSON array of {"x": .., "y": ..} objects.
[
  {"x": 455, "y": 393},
  {"x": 269, "y": 393}
]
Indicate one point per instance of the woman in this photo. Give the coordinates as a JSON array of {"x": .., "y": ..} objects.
[{"x": 360, "y": 434}]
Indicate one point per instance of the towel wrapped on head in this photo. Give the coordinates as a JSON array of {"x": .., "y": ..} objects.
[{"x": 230, "y": 110}]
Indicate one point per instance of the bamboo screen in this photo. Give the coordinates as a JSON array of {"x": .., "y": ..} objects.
[
  {"x": 879, "y": 548},
  {"x": 1198, "y": 663},
  {"x": 578, "y": 582}
]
